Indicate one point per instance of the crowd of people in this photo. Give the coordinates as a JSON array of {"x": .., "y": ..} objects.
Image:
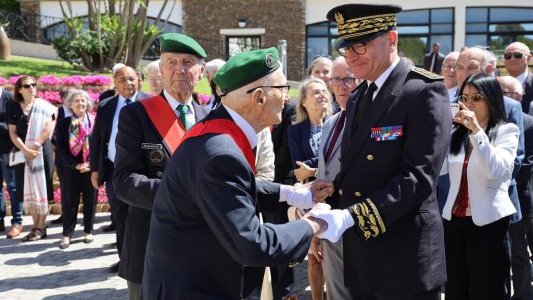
[{"x": 426, "y": 174}]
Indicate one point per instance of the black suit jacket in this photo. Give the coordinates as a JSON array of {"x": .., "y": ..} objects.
[
  {"x": 299, "y": 135},
  {"x": 6, "y": 98},
  {"x": 399, "y": 177},
  {"x": 64, "y": 158},
  {"x": 103, "y": 124},
  {"x": 204, "y": 227},
  {"x": 139, "y": 165},
  {"x": 528, "y": 93},
  {"x": 437, "y": 68},
  {"x": 282, "y": 161},
  {"x": 524, "y": 179}
]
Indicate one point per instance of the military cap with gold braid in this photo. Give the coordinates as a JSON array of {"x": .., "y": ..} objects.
[
  {"x": 358, "y": 23},
  {"x": 180, "y": 43},
  {"x": 246, "y": 67}
]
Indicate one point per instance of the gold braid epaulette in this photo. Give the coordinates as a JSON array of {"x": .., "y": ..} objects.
[
  {"x": 427, "y": 73},
  {"x": 368, "y": 219}
]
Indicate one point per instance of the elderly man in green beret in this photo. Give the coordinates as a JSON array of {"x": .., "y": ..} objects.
[
  {"x": 204, "y": 226},
  {"x": 148, "y": 133}
]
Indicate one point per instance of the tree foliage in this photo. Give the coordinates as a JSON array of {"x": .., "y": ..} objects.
[{"x": 115, "y": 31}]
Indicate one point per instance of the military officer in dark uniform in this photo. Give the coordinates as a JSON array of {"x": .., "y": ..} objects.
[
  {"x": 148, "y": 133},
  {"x": 205, "y": 228},
  {"x": 395, "y": 140}
]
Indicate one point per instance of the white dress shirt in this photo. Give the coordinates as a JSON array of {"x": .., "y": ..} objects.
[
  {"x": 383, "y": 77},
  {"x": 111, "y": 150}
]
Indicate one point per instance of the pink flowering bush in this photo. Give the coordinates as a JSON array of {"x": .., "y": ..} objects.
[
  {"x": 101, "y": 199},
  {"x": 204, "y": 99},
  {"x": 13, "y": 79},
  {"x": 97, "y": 80},
  {"x": 3, "y": 80},
  {"x": 49, "y": 80},
  {"x": 50, "y": 96},
  {"x": 57, "y": 195},
  {"x": 76, "y": 80}
]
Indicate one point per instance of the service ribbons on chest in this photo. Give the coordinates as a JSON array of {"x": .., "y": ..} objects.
[{"x": 388, "y": 133}]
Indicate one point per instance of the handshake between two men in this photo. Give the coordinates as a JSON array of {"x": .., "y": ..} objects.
[{"x": 327, "y": 223}]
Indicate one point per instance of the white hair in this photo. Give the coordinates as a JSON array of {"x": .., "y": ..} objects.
[
  {"x": 117, "y": 67},
  {"x": 153, "y": 65},
  {"x": 213, "y": 65}
]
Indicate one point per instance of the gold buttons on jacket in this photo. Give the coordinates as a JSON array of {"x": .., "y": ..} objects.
[
  {"x": 340, "y": 192},
  {"x": 159, "y": 174},
  {"x": 357, "y": 194},
  {"x": 370, "y": 157}
]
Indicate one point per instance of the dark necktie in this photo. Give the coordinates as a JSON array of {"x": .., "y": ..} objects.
[
  {"x": 364, "y": 104},
  {"x": 183, "y": 110},
  {"x": 128, "y": 101},
  {"x": 336, "y": 133}
]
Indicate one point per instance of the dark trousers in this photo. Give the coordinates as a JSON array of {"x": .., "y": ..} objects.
[
  {"x": 433, "y": 294},
  {"x": 74, "y": 184},
  {"x": 253, "y": 282},
  {"x": 477, "y": 259},
  {"x": 7, "y": 173},
  {"x": 520, "y": 263},
  {"x": 119, "y": 209}
]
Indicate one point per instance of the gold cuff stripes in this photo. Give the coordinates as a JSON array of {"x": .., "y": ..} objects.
[{"x": 368, "y": 218}]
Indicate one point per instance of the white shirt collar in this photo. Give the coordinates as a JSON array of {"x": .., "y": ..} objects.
[
  {"x": 383, "y": 77},
  {"x": 122, "y": 99},
  {"x": 248, "y": 130},
  {"x": 522, "y": 77},
  {"x": 174, "y": 102},
  {"x": 452, "y": 93}
]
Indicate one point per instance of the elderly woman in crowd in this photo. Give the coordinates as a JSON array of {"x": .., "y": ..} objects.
[
  {"x": 72, "y": 141},
  {"x": 312, "y": 109},
  {"x": 31, "y": 123},
  {"x": 477, "y": 210}
]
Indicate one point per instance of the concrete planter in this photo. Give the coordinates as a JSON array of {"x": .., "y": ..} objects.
[{"x": 5, "y": 45}]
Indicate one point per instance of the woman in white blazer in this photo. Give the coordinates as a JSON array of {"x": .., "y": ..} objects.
[{"x": 476, "y": 213}]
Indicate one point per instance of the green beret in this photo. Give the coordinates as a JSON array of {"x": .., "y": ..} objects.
[
  {"x": 180, "y": 43},
  {"x": 246, "y": 67}
]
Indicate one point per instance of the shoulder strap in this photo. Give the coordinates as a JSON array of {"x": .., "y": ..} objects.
[{"x": 165, "y": 121}]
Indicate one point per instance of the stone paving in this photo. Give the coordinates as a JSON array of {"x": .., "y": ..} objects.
[{"x": 40, "y": 270}]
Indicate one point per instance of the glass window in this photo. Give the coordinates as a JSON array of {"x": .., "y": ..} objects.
[
  {"x": 445, "y": 42},
  {"x": 476, "y": 40},
  {"x": 476, "y": 27},
  {"x": 510, "y": 14},
  {"x": 413, "y": 29},
  {"x": 238, "y": 44},
  {"x": 413, "y": 17},
  {"x": 317, "y": 46},
  {"x": 441, "y": 28},
  {"x": 475, "y": 14},
  {"x": 526, "y": 39},
  {"x": 443, "y": 15},
  {"x": 413, "y": 48},
  {"x": 319, "y": 29}
]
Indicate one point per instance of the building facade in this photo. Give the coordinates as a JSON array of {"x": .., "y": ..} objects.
[{"x": 226, "y": 27}]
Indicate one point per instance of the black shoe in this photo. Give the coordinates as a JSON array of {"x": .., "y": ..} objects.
[
  {"x": 58, "y": 220},
  {"x": 109, "y": 228},
  {"x": 2, "y": 226},
  {"x": 114, "y": 267}
]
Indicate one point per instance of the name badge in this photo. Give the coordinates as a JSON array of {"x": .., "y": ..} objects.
[
  {"x": 149, "y": 146},
  {"x": 388, "y": 133}
]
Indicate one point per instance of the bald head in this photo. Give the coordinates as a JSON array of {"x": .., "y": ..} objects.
[
  {"x": 126, "y": 81},
  {"x": 511, "y": 87},
  {"x": 516, "y": 66},
  {"x": 470, "y": 61}
]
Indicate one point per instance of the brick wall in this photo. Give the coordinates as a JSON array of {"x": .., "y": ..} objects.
[{"x": 281, "y": 19}]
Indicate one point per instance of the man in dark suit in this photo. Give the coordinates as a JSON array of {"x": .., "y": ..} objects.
[
  {"x": 517, "y": 58},
  {"x": 433, "y": 60},
  {"x": 103, "y": 147},
  {"x": 145, "y": 141},
  {"x": 394, "y": 143},
  {"x": 7, "y": 173},
  {"x": 520, "y": 262},
  {"x": 205, "y": 208}
]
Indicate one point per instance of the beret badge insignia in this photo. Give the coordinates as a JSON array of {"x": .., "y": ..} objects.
[{"x": 269, "y": 60}]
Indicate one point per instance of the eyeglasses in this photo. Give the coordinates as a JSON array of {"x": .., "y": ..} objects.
[
  {"x": 517, "y": 55},
  {"x": 359, "y": 48},
  {"x": 155, "y": 78},
  {"x": 449, "y": 67},
  {"x": 346, "y": 80},
  {"x": 285, "y": 88},
  {"x": 474, "y": 98},
  {"x": 27, "y": 86}
]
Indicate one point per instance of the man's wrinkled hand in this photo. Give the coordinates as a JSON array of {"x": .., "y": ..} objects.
[{"x": 321, "y": 189}]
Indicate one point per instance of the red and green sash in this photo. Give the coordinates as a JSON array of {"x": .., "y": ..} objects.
[
  {"x": 165, "y": 121},
  {"x": 224, "y": 126}
]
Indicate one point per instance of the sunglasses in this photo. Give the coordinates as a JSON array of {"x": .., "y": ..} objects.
[
  {"x": 516, "y": 55},
  {"x": 474, "y": 98},
  {"x": 27, "y": 86}
]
